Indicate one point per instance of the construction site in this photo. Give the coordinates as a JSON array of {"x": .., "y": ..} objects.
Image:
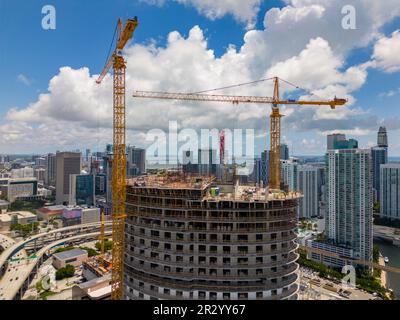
[{"x": 191, "y": 238}]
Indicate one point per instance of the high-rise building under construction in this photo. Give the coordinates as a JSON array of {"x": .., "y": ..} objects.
[{"x": 187, "y": 238}]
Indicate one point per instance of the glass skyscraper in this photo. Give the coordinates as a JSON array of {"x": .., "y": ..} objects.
[
  {"x": 350, "y": 200},
  {"x": 82, "y": 189},
  {"x": 390, "y": 190},
  {"x": 379, "y": 157},
  {"x": 303, "y": 178}
]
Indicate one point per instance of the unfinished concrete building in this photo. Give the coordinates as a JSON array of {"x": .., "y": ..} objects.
[{"x": 187, "y": 238}]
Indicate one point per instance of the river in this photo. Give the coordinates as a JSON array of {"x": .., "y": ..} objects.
[{"x": 393, "y": 253}]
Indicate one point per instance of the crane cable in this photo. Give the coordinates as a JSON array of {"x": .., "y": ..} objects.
[
  {"x": 234, "y": 86},
  {"x": 257, "y": 81},
  {"x": 107, "y": 58}
]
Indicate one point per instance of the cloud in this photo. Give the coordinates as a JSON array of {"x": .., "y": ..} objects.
[
  {"x": 387, "y": 53},
  {"x": 390, "y": 93},
  {"x": 24, "y": 79},
  {"x": 244, "y": 11},
  {"x": 185, "y": 65}
]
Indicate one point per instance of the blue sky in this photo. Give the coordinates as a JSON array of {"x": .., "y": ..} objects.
[{"x": 30, "y": 57}]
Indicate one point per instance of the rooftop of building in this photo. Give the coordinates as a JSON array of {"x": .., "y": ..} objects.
[
  {"x": 350, "y": 150},
  {"x": 22, "y": 214},
  {"x": 250, "y": 194},
  {"x": 48, "y": 209},
  {"x": 73, "y": 253},
  {"x": 97, "y": 287},
  {"x": 5, "y": 218},
  {"x": 215, "y": 192},
  {"x": 172, "y": 180},
  {"x": 17, "y": 180},
  {"x": 391, "y": 165}
]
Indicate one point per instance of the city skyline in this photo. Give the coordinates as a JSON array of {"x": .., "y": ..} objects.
[{"x": 62, "y": 108}]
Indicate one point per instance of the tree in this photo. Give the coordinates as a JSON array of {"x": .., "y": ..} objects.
[
  {"x": 91, "y": 252},
  {"x": 375, "y": 254},
  {"x": 20, "y": 205},
  {"x": 107, "y": 245},
  {"x": 67, "y": 272},
  {"x": 25, "y": 229}
]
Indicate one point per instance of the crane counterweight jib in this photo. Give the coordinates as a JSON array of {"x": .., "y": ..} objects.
[{"x": 127, "y": 33}]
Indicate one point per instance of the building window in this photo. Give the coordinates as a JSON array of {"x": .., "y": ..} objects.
[
  {"x": 243, "y": 295},
  {"x": 243, "y": 249}
]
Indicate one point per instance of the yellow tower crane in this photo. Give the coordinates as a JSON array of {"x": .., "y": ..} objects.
[
  {"x": 275, "y": 118},
  {"x": 123, "y": 35},
  {"x": 102, "y": 233}
]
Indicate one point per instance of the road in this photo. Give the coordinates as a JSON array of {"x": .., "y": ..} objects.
[
  {"x": 19, "y": 271},
  {"x": 20, "y": 267},
  {"x": 47, "y": 237},
  {"x": 6, "y": 242}
]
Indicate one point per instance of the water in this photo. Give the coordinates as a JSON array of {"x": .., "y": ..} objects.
[{"x": 393, "y": 253}]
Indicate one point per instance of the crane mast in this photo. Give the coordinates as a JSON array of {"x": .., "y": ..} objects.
[
  {"x": 275, "y": 141},
  {"x": 119, "y": 155},
  {"x": 275, "y": 117}
]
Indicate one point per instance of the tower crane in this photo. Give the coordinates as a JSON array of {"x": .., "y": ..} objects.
[
  {"x": 123, "y": 34},
  {"x": 275, "y": 118}
]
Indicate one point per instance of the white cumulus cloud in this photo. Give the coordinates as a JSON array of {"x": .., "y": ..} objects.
[{"x": 387, "y": 53}]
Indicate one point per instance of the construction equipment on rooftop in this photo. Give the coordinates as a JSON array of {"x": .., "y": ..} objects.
[
  {"x": 275, "y": 117},
  {"x": 121, "y": 36}
]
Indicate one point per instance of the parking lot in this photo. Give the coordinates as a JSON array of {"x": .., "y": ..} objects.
[{"x": 313, "y": 287}]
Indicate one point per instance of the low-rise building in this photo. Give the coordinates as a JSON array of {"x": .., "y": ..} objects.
[
  {"x": 19, "y": 188},
  {"x": 74, "y": 257},
  {"x": 95, "y": 289},
  {"x": 72, "y": 216},
  {"x": 90, "y": 215},
  {"x": 337, "y": 262},
  {"x": 50, "y": 213},
  {"x": 17, "y": 217},
  {"x": 5, "y": 223}
]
